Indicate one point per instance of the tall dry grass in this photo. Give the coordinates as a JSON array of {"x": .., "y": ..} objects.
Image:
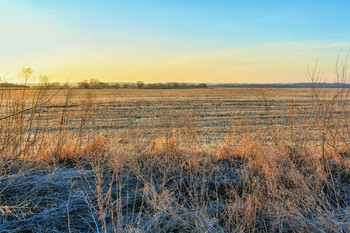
[{"x": 61, "y": 176}]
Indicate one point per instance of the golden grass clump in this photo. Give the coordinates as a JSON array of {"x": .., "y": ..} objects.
[{"x": 72, "y": 152}]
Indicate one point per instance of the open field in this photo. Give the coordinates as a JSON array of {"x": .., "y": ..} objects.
[
  {"x": 214, "y": 112},
  {"x": 199, "y": 160}
]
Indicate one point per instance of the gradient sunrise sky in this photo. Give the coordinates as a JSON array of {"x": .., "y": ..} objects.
[{"x": 182, "y": 41}]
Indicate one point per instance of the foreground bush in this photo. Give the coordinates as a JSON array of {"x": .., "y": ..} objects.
[{"x": 168, "y": 188}]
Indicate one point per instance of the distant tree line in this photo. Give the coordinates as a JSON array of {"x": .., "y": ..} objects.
[
  {"x": 174, "y": 85},
  {"x": 12, "y": 85},
  {"x": 280, "y": 85},
  {"x": 96, "y": 84}
]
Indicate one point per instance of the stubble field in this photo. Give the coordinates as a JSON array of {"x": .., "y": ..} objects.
[
  {"x": 202, "y": 160},
  {"x": 213, "y": 113}
]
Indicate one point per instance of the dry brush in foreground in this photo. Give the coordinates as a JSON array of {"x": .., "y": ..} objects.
[{"x": 86, "y": 181}]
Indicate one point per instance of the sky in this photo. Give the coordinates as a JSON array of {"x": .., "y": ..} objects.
[{"x": 212, "y": 41}]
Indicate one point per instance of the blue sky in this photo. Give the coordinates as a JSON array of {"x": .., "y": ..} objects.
[{"x": 161, "y": 41}]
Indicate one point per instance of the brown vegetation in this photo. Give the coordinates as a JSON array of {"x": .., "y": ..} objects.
[{"x": 134, "y": 161}]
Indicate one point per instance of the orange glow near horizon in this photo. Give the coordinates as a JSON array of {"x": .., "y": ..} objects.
[{"x": 256, "y": 65}]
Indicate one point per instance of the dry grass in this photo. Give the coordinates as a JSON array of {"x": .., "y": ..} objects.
[{"x": 277, "y": 167}]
